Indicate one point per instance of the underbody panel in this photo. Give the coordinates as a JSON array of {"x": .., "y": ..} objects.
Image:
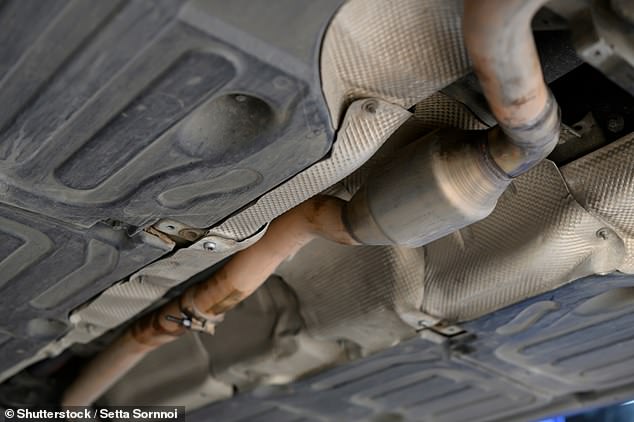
[{"x": 317, "y": 211}]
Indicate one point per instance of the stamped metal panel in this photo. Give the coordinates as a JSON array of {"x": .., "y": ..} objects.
[
  {"x": 48, "y": 268},
  {"x": 562, "y": 349},
  {"x": 538, "y": 238},
  {"x": 519, "y": 362},
  {"x": 413, "y": 381},
  {"x": 367, "y": 126},
  {"x": 366, "y": 294},
  {"x": 579, "y": 338},
  {"x": 603, "y": 183},
  {"x": 141, "y": 110},
  {"x": 365, "y": 132},
  {"x": 366, "y": 35},
  {"x": 130, "y": 111}
]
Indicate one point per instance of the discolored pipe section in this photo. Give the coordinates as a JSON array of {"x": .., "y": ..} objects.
[
  {"x": 452, "y": 179},
  {"x": 202, "y": 305},
  {"x": 500, "y": 43},
  {"x": 433, "y": 187}
]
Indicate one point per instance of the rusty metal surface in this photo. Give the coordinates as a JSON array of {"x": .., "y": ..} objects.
[
  {"x": 362, "y": 134},
  {"x": 271, "y": 350},
  {"x": 514, "y": 87},
  {"x": 103, "y": 107}
]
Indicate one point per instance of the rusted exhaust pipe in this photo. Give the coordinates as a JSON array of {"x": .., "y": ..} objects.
[
  {"x": 502, "y": 48},
  {"x": 437, "y": 185},
  {"x": 452, "y": 179},
  {"x": 201, "y": 305}
]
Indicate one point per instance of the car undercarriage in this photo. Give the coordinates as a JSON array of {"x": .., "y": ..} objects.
[{"x": 361, "y": 210}]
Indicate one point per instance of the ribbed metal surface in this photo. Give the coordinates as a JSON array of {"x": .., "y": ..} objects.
[
  {"x": 434, "y": 112},
  {"x": 124, "y": 300},
  {"x": 603, "y": 183},
  {"x": 359, "y": 293},
  {"x": 441, "y": 111},
  {"x": 363, "y": 132},
  {"x": 401, "y": 51},
  {"x": 537, "y": 239},
  {"x": 118, "y": 304}
]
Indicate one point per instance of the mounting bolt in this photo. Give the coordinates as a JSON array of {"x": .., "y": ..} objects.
[
  {"x": 616, "y": 123},
  {"x": 74, "y": 319},
  {"x": 370, "y": 106},
  {"x": 209, "y": 246},
  {"x": 603, "y": 233}
]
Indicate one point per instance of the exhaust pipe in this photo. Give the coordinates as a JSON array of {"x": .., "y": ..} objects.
[
  {"x": 202, "y": 305},
  {"x": 435, "y": 186},
  {"x": 451, "y": 179}
]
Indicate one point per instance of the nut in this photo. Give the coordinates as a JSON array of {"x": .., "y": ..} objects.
[{"x": 209, "y": 246}]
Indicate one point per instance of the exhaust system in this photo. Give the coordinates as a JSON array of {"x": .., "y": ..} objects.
[
  {"x": 203, "y": 305},
  {"x": 437, "y": 185},
  {"x": 452, "y": 179}
]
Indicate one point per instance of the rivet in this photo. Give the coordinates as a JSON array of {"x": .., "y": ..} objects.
[
  {"x": 603, "y": 233},
  {"x": 370, "y": 106}
]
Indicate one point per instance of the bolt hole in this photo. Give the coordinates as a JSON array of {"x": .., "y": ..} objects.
[
  {"x": 170, "y": 227},
  {"x": 603, "y": 234},
  {"x": 370, "y": 106}
]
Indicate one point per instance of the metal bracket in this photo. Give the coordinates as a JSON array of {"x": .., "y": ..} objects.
[
  {"x": 191, "y": 322},
  {"x": 605, "y": 40},
  {"x": 439, "y": 326}
]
